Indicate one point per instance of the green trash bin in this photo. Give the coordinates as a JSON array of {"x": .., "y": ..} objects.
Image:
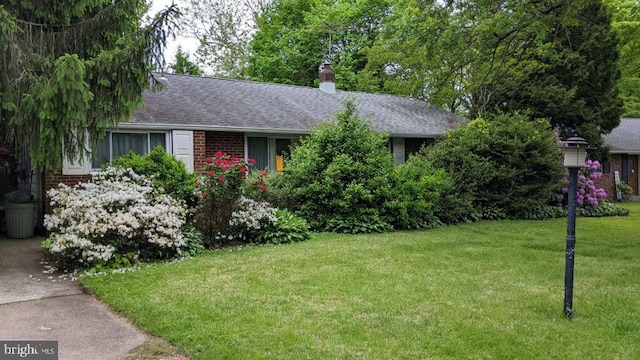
[{"x": 21, "y": 220}]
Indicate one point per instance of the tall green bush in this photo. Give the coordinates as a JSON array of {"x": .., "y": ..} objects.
[
  {"x": 503, "y": 167},
  {"x": 416, "y": 194},
  {"x": 165, "y": 171},
  {"x": 339, "y": 175}
]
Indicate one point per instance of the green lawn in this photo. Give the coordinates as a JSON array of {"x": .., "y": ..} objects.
[{"x": 489, "y": 290}]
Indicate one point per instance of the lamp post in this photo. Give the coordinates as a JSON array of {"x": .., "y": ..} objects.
[{"x": 575, "y": 153}]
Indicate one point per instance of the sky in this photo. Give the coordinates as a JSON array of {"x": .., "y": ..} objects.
[{"x": 189, "y": 45}]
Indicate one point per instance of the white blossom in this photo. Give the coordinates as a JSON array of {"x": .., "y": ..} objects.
[
  {"x": 253, "y": 214},
  {"x": 89, "y": 218}
]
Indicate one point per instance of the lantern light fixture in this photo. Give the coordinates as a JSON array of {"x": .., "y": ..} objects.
[{"x": 575, "y": 152}]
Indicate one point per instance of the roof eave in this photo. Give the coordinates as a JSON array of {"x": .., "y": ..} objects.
[{"x": 165, "y": 127}]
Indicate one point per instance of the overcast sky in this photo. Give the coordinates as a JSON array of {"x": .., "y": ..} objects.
[{"x": 189, "y": 45}]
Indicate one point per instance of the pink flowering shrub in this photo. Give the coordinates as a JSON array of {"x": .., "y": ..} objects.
[
  {"x": 588, "y": 195},
  {"x": 220, "y": 191}
]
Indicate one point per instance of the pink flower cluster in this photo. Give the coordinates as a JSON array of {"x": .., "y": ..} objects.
[
  {"x": 223, "y": 169},
  {"x": 588, "y": 194}
]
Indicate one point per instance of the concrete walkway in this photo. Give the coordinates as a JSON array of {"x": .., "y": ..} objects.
[{"x": 38, "y": 303}]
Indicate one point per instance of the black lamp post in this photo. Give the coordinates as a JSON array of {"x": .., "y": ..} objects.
[{"x": 575, "y": 153}]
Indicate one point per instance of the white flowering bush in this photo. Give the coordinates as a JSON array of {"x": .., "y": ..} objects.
[
  {"x": 115, "y": 219},
  {"x": 259, "y": 222},
  {"x": 252, "y": 215},
  {"x": 248, "y": 221}
]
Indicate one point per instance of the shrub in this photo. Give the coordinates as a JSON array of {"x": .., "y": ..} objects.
[
  {"x": 361, "y": 222},
  {"x": 279, "y": 194},
  {"x": 626, "y": 191},
  {"x": 220, "y": 190},
  {"x": 287, "y": 228},
  {"x": 545, "y": 212},
  {"x": 341, "y": 172},
  {"x": 115, "y": 219},
  {"x": 250, "y": 219},
  {"x": 502, "y": 168},
  {"x": 591, "y": 201},
  {"x": 604, "y": 209},
  {"x": 587, "y": 194},
  {"x": 165, "y": 171},
  {"x": 416, "y": 195}
]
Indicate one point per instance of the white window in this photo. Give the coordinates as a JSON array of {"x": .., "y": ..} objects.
[{"x": 117, "y": 143}]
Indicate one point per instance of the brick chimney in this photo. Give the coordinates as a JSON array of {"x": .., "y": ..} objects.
[{"x": 327, "y": 79}]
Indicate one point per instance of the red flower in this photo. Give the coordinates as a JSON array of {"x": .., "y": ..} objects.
[
  {"x": 207, "y": 160},
  {"x": 243, "y": 169},
  {"x": 222, "y": 179},
  {"x": 224, "y": 167},
  {"x": 211, "y": 173},
  {"x": 257, "y": 182},
  {"x": 204, "y": 195},
  {"x": 234, "y": 159},
  {"x": 263, "y": 174},
  {"x": 251, "y": 161},
  {"x": 263, "y": 188},
  {"x": 220, "y": 154}
]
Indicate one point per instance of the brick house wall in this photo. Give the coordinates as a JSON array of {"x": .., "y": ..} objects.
[
  {"x": 607, "y": 181},
  {"x": 230, "y": 143},
  {"x": 51, "y": 179},
  {"x": 199, "y": 151}
]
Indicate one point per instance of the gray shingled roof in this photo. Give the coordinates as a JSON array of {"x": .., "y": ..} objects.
[
  {"x": 626, "y": 137},
  {"x": 201, "y": 103}
]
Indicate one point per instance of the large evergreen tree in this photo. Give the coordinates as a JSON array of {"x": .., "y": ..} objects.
[
  {"x": 71, "y": 68},
  {"x": 184, "y": 65},
  {"x": 572, "y": 77}
]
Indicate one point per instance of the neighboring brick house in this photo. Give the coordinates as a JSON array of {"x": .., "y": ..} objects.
[
  {"x": 196, "y": 116},
  {"x": 624, "y": 144}
]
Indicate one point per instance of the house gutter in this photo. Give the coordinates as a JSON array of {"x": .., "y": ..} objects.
[
  {"x": 165, "y": 127},
  {"x": 251, "y": 130}
]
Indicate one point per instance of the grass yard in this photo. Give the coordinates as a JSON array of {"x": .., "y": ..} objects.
[{"x": 489, "y": 290}]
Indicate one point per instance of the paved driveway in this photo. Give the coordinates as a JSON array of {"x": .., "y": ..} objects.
[{"x": 37, "y": 303}]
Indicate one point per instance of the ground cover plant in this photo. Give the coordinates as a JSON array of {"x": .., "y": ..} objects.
[{"x": 491, "y": 290}]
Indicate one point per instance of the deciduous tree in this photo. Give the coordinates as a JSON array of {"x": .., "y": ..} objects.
[
  {"x": 224, "y": 29},
  {"x": 555, "y": 59},
  {"x": 626, "y": 23},
  {"x": 295, "y": 37}
]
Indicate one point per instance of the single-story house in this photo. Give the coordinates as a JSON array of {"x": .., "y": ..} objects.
[
  {"x": 193, "y": 117},
  {"x": 624, "y": 144}
]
